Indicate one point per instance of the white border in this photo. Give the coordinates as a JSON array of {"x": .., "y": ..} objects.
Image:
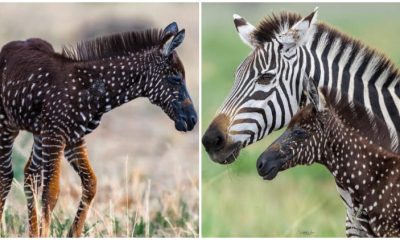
[
  {"x": 199, "y": 2},
  {"x": 200, "y": 116}
]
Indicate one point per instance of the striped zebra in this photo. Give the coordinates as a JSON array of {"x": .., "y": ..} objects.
[{"x": 286, "y": 49}]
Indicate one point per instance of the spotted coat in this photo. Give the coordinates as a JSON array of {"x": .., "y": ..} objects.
[
  {"x": 354, "y": 145},
  {"x": 62, "y": 97}
]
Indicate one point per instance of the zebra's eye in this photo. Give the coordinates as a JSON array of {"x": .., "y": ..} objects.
[
  {"x": 265, "y": 78},
  {"x": 176, "y": 80}
]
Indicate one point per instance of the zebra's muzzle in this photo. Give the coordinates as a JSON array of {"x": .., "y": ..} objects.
[
  {"x": 231, "y": 157},
  {"x": 227, "y": 155},
  {"x": 217, "y": 143}
]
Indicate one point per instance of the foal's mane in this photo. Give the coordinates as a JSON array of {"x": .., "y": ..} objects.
[
  {"x": 355, "y": 115},
  {"x": 113, "y": 45},
  {"x": 269, "y": 27}
]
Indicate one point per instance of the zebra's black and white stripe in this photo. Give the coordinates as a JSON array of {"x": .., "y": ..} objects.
[{"x": 269, "y": 82}]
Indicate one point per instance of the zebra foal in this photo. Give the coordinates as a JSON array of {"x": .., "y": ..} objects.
[
  {"x": 355, "y": 146},
  {"x": 60, "y": 98}
]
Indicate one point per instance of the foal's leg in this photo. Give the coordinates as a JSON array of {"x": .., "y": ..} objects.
[
  {"x": 77, "y": 156},
  {"x": 33, "y": 180},
  {"x": 6, "y": 172},
  {"x": 52, "y": 149},
  {"x": 357, "y": 225}
]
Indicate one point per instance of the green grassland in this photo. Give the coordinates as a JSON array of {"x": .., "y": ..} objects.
[{"x": 300, "y": 202}]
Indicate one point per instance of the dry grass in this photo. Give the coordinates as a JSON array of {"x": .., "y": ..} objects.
[{"x": 147, "y": 171}]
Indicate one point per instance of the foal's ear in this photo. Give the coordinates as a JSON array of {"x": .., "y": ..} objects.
[
  {"x": 170, "y": 43},
  {"x": 314, "y": 94},
  {"x": 300, "y": 33},
  {"x": 170, "y": 30},
  {"x": 245, "y": 30}
]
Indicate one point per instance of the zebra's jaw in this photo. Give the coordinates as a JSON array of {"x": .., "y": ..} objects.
[{"x": 227, "y": 155}]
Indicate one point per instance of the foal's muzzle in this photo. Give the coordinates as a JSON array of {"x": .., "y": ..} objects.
[
  {"x": 185, "y": 115},
  {"x": 269, "y": 164}
]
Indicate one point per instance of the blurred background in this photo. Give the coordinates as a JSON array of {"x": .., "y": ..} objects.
[
  {"x": 300, "y": 202},
  {"x": 147, "y": 171}
]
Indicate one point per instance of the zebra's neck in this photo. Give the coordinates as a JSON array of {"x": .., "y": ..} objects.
[
  {"x": 112, "y": 81},
  {"x": 365, "y": 75}
]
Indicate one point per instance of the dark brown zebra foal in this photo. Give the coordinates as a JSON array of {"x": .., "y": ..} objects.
[
  {"x": 356, "y": 148},
  {"x": 61, "y": 97}
]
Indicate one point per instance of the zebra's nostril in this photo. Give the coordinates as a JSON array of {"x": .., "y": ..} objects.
[
  {"x": 213, "y": 141},
  {"x": 218, "y": 142}
]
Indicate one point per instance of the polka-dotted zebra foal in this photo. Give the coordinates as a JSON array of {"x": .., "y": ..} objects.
[
  {"x": 61, "y": 97},
  {"x": 356, "y": 148}
]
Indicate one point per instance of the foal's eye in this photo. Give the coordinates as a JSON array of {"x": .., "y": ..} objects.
[
  {"x": 265, "y": 78},
  {"x": 300, "y": 133},
  {"x": 176, "y": 80}
]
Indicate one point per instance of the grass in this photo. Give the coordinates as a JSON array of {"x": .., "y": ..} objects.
[
  {"x": 161, "y": 225},
  {"x": 300, "y": 202},
  {"x": 137, "y": 212}
]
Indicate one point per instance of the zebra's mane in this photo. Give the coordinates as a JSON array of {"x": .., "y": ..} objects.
[
  {"x": 270, "y": 27},
  {"x": 113, "y": 45},
  {"x": 355, "y": 115}
]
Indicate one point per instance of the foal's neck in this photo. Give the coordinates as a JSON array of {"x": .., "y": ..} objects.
[
  {"x": 114, "y": 80},
  {"x": 356, "y": 162}
]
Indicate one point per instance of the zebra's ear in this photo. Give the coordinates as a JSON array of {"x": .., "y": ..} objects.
[
  {"x": 173, "y": 41},
  {"x": 245, "y": 30},
  {"x": 300, "y": 33}
]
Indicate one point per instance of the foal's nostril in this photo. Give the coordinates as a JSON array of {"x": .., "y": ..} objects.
[
  {"x": 193, "y": 120},
  {"x": 260, "y": 165},
  {"x": 183, "y": 118}
]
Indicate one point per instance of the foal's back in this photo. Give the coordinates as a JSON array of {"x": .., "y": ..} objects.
[
  {"x": 25, "y": 56},
  {"x": 29, "y": 71}
]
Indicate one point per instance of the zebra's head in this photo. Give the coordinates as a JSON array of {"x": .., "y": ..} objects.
[
  {"x": 268, "y": 84},
  {"x": 167, "y": 85},
  {"x": 302, "y": 142}
]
